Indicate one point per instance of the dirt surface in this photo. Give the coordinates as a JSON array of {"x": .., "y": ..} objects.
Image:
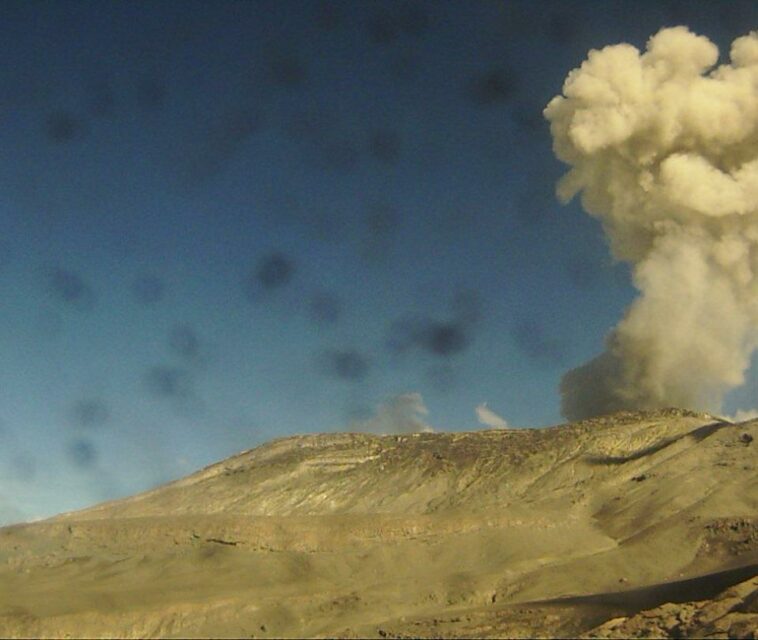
[{"x": 630, "y": 525}]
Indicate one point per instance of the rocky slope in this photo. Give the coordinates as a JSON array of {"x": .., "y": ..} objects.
[
  {"x": 608, "y": 527},
  {"x": 731, "y": 614}
]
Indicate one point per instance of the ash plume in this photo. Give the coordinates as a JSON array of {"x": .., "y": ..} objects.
[
  {"x": 663, "y": 148},
  {"x": 400, "y": 414}
]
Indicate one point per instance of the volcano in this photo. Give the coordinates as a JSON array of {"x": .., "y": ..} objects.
[{"x": 636, "y": 523}]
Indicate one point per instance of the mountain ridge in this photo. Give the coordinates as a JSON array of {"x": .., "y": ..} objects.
[
  {"x": 452, "y": 534},
  {"x": 295, "y": 450}
]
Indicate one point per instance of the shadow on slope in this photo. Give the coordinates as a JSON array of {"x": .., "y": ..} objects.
[
  {"x": 699, "y": 434},
  {"x": 632, "y": 601}
]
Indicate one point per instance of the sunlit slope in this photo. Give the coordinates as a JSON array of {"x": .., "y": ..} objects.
[
  {"x": 355, "y": 534},
  {"x": 421, "y": 473}
]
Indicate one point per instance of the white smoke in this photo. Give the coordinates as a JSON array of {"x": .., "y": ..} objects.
[
  {"x": 743, "y": 415},
  {"x": 401, "y": 414},
  {"x": 664, "y": 151},
  {"x": 489, "y": 418}
]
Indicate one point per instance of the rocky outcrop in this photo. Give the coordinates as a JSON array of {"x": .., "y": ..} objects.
[{"x": 732, "y": 614}]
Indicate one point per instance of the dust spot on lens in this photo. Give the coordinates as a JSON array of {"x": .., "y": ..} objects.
[
  {"x": 382, "y": 28},
  {"x": 346, "y": 364},
  {"x": 63, "y": 126},
  {"x": 148, "y": 289},
  {"x": 492, "y": 87},
  {"x": 530, "y": 336},
  {"x": 325, "y": 307},
  {"x": 183, "y": 341},
  {"x": 151, "y": 93},
  {"x": 69, "y": 287},
  {"x": 90, "y": 413},
  {"x": 444, "y": 338},
  {"x": 274, "y": 271},
  {"x": 164, "y": 381},
  {"x": 82, "y": 453},
  {"x": 327, "y": 16},
  {"x": 287, "y": 69},
  {"x": 384, "y": 145}
]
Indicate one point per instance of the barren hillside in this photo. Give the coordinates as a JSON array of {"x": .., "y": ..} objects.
[{"x": 634, "y": 523}]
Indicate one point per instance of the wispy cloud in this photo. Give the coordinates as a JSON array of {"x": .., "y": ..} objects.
[
  {"x": 743, "y": 415},
  {"x": 489, "y": 418}
]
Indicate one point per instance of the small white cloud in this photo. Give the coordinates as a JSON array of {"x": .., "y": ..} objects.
[
  {"x": 401, "y": 414},
  {"x": 489, "y": 418},
  {"x": 36, "y": 518},
  {"x": 743, "y": 415}
]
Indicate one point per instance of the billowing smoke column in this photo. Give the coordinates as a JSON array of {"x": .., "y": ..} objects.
[{"x": 664, "y": 151}]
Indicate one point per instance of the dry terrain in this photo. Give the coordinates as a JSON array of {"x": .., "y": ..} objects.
[{"x": 634, "y": 524}]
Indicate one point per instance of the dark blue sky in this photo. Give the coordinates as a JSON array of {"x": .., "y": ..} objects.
[{"x": 226, "y": 222}]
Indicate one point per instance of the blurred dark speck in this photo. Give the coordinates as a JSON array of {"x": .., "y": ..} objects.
[
  {"x": 382, "y": 28},
  {"x": 347, "y": 364},
  {"x": 82, "y": 453},
  {"x": 63, "y": 126},
  {"x": 388, "y": 24},
  {"x": 166, "y": 381},
  {"x": 287, "y": 69},
  {"x": 384, "y": 145},
  {"x": 69, "y": 287},
  {"x": 151, "y": 93},
  {"x": 328, "y": 16},
  {"x": 530, "y": 336},
  {"x": 325, "y": 307},
  {"x": 562, "y": 28},
  {"x": 381, "y": 226},
  {"x": 148, "y": 289},
  {"x": 492, "y": 87},
  {"x": 242, "y": 123},
  {"x": 381, "y": 219},
  {"x": 183, "y": 341},
  {"x": 529, "y": 117},
  {"x": 444, "y": 338},
  {"x": 90, "y": 413},
  {"x": 274, "y": 271},
  {"x": 413, "y": 18}
]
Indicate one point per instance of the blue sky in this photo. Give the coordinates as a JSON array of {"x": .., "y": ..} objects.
[{"x": 226, "y": 222}]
